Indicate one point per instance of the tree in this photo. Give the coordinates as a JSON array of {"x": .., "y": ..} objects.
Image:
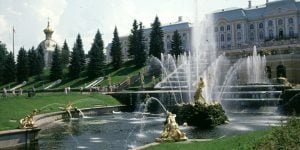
[
  {"x": 3, "y": 54},
  {"x": 137, "y": 44},
  {"x": 9, "y": 73},
  {"x": 116, "y": 50},
  {"x": 96, "y": 55},
  {"x": 32, "y": 62},
  {"x": 76, "y": 62},
  {"x": 140, "y": 54},
  {"x": 56, "y": 66},
  {"x": 156, "y": 39},
  {"x": 40, "y": 62},
  {"x": 79, "y": 47},
  {"x": 176, "y": 45},
  {"x": 22, "y": 66},
  {"x": 65, "y": 54},
  {"x": 133, "y": 39}
]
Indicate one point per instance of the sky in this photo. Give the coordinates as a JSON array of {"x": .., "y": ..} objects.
[{"x": 70, "y": 17}]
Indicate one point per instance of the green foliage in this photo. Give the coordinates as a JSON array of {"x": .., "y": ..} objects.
[
  {"x": 22, "y": 66},
  {"x": 33, "y": 62},
  {"x": 77, "y": 63},
  {"x": 3, "y": 54},
  {"x": 56, "y": 71},
  {"x": 284, "y": 137},
  {"x": 65, "y": 54},
  {"x": 9, "y": 71},
  {"x": 116, "y": 52},
  {"x": 96, "y": 64},
  {"x": 156, "y": 39},
  {"x": 137, "y": 44},
  {"x": 41, "y": 60},
  {"x": 133, "y": 38},
  {"x": 176, "y": 45},
  {"x": 200, "y": 115}
]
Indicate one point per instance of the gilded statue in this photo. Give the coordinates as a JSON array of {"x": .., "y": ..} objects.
[
  {"x": 28, "y": 121},
  {"x": 171, "y": 132}
]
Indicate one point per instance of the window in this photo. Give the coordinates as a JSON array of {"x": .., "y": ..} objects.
[
  {"x": 228, "y": 27},
  {"x": 168, "y": 37},
  {"x": 280, "y": 22},
  {"x": 238, "y": 26},
  {"x": 291, "y": 20},
  {"x": 221, "y": 28},
  {"x": 261, "y": 25},
  {"x": 228, "y": 46},
  {"x": 239, "y": 36},
  {"x": 222, "y": 37},
  {"x": 251, "y": 26},
  {"x": 270, "y": 23},
  {"x": 261, "y": 35},
  {"x": 252, "y": 36},
  {"x": 271, "y": 35},
  {"x": 291, "y": 32},
  {"x": 228, "y": 37}
]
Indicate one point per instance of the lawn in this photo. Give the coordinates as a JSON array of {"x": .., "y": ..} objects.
[
  {"x": 13, "y": 108},
  {"x": 238, "y": 142}
]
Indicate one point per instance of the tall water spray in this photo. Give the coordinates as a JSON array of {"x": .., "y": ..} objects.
[{"x": 256, "y": 65}]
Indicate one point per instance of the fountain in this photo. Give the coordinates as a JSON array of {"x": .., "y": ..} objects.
[{"x": 28, "y": 121}]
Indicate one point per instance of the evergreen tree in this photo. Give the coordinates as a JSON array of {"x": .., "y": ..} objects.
[
  {"x": 156, "y": 39},
  {"x": 22, "y": 66},
  {"x": 79, "y": 47},
  {"x": 96, "y": 55},
  {"x": 176, "y": 45},
  {"x": 75, "y": 64},
  {"x": 140, "y": 54},
  {"x": 9, "y": 73},
  {"x": 3, "y": 54},
  {"x": 65, "y": 54},
  {"x": 40, "y": 55},
  {"x": 116, "y": 50},
  {"x": 56, "y": 66},
  {"x": 133, "y": 39},
  {"x": 32, "y": 62}
]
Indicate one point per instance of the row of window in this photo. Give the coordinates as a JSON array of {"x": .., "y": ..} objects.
[
  {"x": 260, "y": 25},
  {"x": 261, "y": 35}
]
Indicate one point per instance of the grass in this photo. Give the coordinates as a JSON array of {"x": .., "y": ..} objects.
[
  {"x": 238, "y": 142},
  {"x": 13, "y": 108}
]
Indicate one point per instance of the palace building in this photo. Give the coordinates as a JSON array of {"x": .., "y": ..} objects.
[{"x": 48, "y": 45}]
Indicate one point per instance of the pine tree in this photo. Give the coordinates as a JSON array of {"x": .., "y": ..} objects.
[
  {"x": 32, "y": 62},
  {"x": 79, "y": 47},
  {"x": 65, "y": 54},
  {"x": 75, "y": 64},
  {"x": 22, "y": 66},
  {"x": 176, "y": 45},
  {"x": 41, "y": 55},
  {"x": 133, "y": 39},
  {"x": 116, "y": 50},
  {"x": 156, "y": 39},
  {"x": 140, "y": 54},
  {"x": 3, "y": 54},
  {"x": 56, "y": 66},
  {"x": 96, "y": 55},
  {"x": 9, "y": 73}
]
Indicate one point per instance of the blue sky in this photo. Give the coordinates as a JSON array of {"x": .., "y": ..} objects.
[{"x": 70, "y": 17}]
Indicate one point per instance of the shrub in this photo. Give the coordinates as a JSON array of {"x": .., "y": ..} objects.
[{"x": 200, "y": 115}]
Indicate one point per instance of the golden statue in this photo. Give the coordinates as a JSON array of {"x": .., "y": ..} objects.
[
  {"x": 28, "y": 121},
  {"x": 199, "y": 99},
  {"x": 171, "y": 131}
]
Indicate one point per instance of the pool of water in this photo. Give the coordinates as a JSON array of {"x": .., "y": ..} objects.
[{"x": 128, "y": 130}]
